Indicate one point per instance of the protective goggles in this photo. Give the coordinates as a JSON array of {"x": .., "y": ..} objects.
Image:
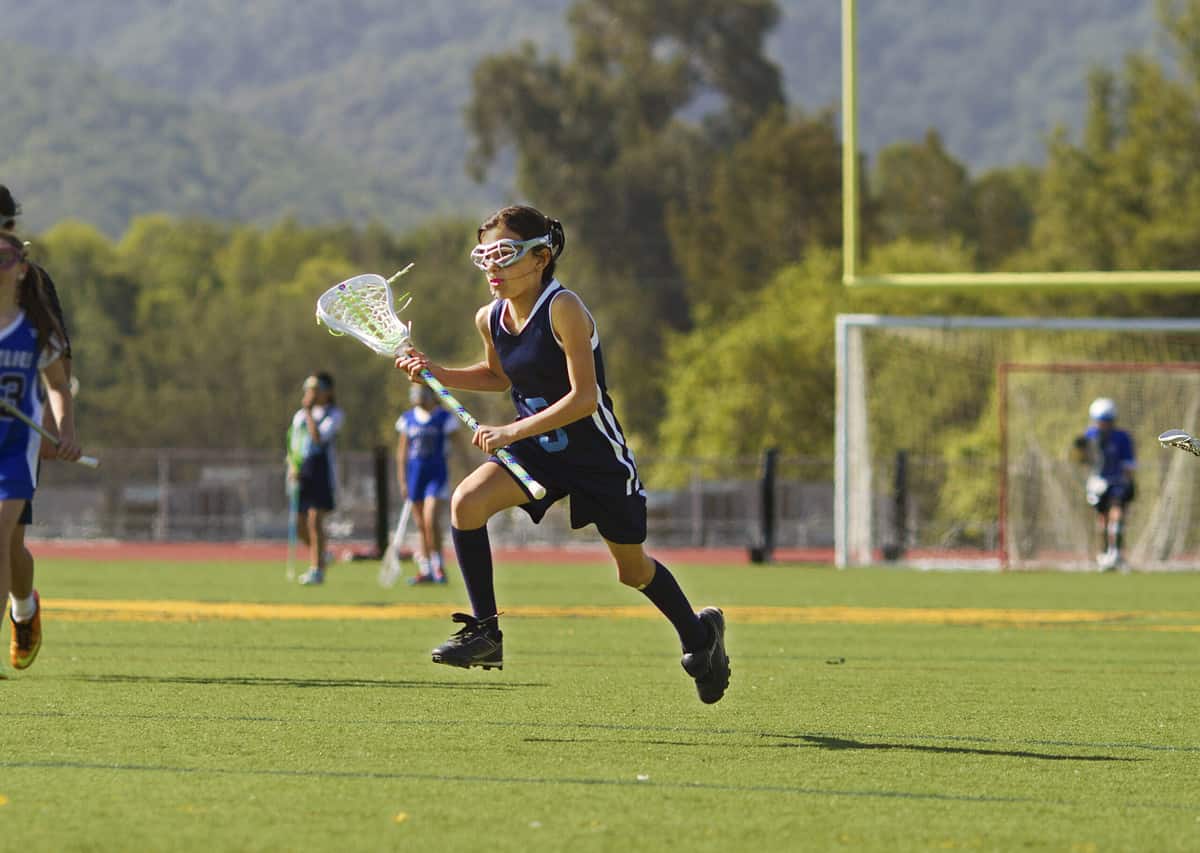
[{"x": 505, "y": 253}]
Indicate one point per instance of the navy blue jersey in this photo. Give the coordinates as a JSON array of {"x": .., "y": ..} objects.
[
  {"x": 590, "y": 454},
  {"x": 1111, "y": 453}
]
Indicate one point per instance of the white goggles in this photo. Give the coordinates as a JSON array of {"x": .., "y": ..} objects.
[{"x": 505, "y": 253}]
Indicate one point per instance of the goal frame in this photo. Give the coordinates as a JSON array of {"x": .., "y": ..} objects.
[{"x": 851, "y": 393}]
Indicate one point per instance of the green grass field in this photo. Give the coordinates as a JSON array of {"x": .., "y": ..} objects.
[{"x": 869, "y": 710}]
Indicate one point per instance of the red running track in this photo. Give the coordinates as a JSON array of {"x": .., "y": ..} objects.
[{"x": 108, "y": 550}]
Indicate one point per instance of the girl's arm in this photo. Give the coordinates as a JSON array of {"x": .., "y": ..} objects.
[
  {"x": 486, "y": 375},
  {"x": 58, "y": 393}
]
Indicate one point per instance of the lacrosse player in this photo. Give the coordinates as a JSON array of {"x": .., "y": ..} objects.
[
  {"x": 24, "y": 607},
  {"x": 421, "y": 459},
  {"x": 31, "y": 346},
  {"x": 540, "y": 342},
  {"x": 313, "y": 429},
  {"x": 1109, "y": 453}
]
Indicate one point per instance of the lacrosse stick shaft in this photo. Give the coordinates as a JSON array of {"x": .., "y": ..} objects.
[
  {"x": 401, "y": 526},
  {"x": 389, "y": 568},
  {"x": 535, "y": 488},
  {"x": 9, "y": 409},
  {"x": 293, "y": 490}
]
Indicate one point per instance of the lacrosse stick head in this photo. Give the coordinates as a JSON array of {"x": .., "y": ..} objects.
[
  {"x": 1181, "y": 439},
  {"x": 362, "y": 307}
]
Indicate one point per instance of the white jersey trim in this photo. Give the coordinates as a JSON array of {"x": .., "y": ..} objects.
[{"x": 595, "y": 326}]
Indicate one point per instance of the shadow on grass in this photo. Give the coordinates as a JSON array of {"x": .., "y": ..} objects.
[
  {"x": 828, "y": 742},
  {"x": 839, "y": 743},
  {"x": 271, "y": 681}
]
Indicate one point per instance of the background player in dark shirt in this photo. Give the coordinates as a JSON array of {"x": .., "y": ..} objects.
[{"x": 541, "y": 342}]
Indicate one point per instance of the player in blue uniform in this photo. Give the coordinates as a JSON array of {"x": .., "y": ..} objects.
[
  {"x": 541, "y": 342},
  {"x": 1110, "y": 486},
  {"x": 421, "y": 459},
  {"x": 312, "y": 464},
  {"x": 25, "y": 610},
  {"x": 31, "y": 346}
]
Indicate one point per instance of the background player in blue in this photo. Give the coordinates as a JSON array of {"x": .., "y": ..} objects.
[
  {"x": 24, "y": 604},
  {"x": 31, "y": 345},
  {"x": 421, "y": 459},
  {"x": 312, "y": 462},
  {"x": 541, "y": 341},
  {"x": 1110, "y": 487}
]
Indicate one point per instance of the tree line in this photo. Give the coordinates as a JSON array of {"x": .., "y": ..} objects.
[{"x": 703, "y": 225}]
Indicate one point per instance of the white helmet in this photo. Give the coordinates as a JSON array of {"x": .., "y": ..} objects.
[{"x": 1102, "y": 409}]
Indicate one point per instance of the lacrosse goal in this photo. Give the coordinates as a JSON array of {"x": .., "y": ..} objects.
[{"x": 953, "y": 438}]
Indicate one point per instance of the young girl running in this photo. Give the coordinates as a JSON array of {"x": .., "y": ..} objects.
[
  {"x": 540, "y": 341},
  {"x": 422, "y": 460},
  {"x": 31, "y": 344}
]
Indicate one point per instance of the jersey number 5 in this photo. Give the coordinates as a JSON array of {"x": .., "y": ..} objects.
[{"x": 551, "y": 442}]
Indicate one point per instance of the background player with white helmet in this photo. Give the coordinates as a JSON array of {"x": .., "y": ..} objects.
[{"x": 1110, "y": 487}]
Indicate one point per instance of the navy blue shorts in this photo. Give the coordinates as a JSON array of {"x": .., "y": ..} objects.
[
  {"x": 316, "y": 484},
  {"x": 619, "y": 517},
  {"x": 1118, "y": 494},
  {"x": 426, "y": 480}
]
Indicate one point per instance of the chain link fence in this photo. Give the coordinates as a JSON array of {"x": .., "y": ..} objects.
[{"x": 174, "y": 495}]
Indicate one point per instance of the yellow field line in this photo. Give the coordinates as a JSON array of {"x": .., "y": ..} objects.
[{"x": 130, "y": 610}]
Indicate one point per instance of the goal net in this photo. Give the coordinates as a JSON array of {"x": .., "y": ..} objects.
[{"x": 954, "y": 438}]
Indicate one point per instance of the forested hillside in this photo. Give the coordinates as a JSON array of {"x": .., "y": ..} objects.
[
  {"x": 346, "y": 110},
  {"x": 705, "y": 246}
]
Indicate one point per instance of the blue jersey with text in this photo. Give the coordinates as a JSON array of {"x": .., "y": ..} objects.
[
  {"x": 591, "y": 453},
  {"x": 426, "y": 439},
  {"x": 20, "y": 385},
  {"x": 1112, "y": 453}
]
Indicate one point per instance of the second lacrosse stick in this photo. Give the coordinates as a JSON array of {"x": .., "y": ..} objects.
[
  {"x": 1180, "y": 439},
  {"x": 9, "y": 409}
]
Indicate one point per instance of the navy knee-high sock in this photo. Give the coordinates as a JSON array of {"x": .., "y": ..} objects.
[
  {"x": 664, "y": 591},
  {"x": 474, "y": 552}
]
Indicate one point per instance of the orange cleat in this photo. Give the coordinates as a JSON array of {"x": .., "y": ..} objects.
[{"x": 26, "y": 637}]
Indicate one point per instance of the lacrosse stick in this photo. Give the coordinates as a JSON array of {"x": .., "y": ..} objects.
[
  {"x": 9, "y": 409},
  {"x": 1182, "y": 440},
  {"x": 293, "y": 490},
  {"x": 362, "y": 308},
  {"x": 390, "y": 570}
]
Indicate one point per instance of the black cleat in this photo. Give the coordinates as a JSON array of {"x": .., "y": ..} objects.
[
  {"x": 710, "y": 666},
  {"x": 478, "y": 643}
]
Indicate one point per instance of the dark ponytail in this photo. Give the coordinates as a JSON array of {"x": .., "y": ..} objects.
[{"x": 34, "y": 299}]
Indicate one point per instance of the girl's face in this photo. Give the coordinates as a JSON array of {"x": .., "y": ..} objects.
[
  {"x": 12, "y": 264},
  {"x": 518, "y": 278}
]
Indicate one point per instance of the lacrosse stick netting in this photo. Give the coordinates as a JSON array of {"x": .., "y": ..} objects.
[{"x": 362, "y": 308}]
